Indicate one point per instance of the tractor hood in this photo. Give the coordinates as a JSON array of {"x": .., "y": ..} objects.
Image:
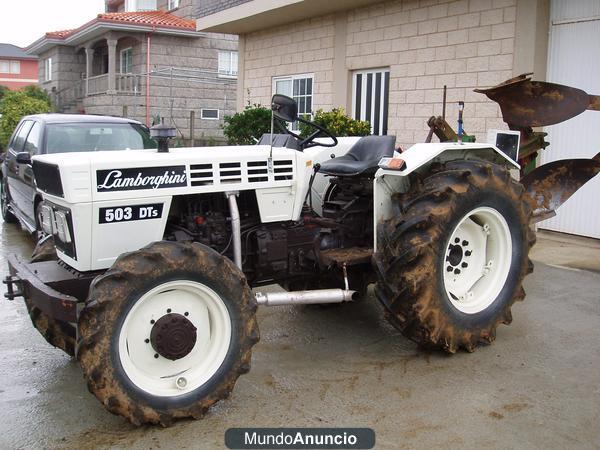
[{"x": 103, "y": 176}]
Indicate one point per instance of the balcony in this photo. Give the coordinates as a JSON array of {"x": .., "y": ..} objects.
[{"x": 124, "y": 84}]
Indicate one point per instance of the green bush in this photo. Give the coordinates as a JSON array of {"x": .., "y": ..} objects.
[
  {"x": 337, "y": 123},
  {"x": 35, "y": 91},
  {"x": 13, "y": 106},
  {"x": 3, "y": 90},
  {"x": 247, "y": 127}
]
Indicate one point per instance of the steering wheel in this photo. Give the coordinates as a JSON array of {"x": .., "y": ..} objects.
[{"x": 308, "y": 142}]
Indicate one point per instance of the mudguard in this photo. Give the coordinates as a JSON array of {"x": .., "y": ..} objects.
[{"x": 552, "y": 184}]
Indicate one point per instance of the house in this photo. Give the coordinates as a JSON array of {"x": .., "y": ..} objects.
[
  {"x": 388, "y": 61},
  {"x": 143, "y": 59},
  {"x": 17, "y": 68}
]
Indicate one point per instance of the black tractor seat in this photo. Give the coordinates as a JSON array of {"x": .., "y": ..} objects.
[{"x": 362, "y": 159}]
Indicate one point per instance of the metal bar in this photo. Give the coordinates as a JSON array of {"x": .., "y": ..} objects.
[
  {"x": 317, "y": 296},
  {"x": 236, "y": 228}
]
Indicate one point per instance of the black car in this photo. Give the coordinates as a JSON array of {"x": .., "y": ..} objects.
[{"x": 57, "y": 133}]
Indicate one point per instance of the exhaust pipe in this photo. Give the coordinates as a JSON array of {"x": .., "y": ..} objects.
[{"x": 317, "y": 296}]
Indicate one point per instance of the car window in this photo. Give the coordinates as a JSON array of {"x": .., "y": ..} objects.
[
  {"x": 19, "y": 140},
  {"x": 89, "y": 137},
  {"x": 32, "y": 144}
]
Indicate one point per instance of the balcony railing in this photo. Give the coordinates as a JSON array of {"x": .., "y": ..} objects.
[
  {"x": 128, "y": 83},
  {"x": 97, "y": 85},
  {"x": 124, "y": 84}
]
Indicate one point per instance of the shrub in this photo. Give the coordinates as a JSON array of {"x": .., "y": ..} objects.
[
  {"x": 247, "y": 127},
  {"x": 15, "y": 105},
  {"x": 337, "y": 123},
  {"x": 34, "y": 91},
  {"x": 3, "y": 90}
]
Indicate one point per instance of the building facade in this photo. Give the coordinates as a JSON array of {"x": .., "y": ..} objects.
[
  {"x": 388, "y": 62},
  {"x": 17, "y": 68},
  {"x": 144, "y": 59},
  {"x": 384, "y": 61}
]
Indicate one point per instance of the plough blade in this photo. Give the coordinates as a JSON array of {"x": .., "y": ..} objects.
[
  {"x": 526, "y": 103},
  {"x": 552, "y": 184}
]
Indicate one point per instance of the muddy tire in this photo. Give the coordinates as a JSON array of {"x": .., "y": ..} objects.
[
  {"x": 463, "y": 220},
  {"x": 57, "y": 333},
  {"x": 7, "y": 216},
  {"x": 166, "y": 332}
]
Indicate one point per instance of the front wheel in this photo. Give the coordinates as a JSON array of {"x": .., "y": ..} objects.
[
  {"x": 166, "y": 332},
  {"x": 451, "y": 265},
  {"x": 7, "y": 216}
]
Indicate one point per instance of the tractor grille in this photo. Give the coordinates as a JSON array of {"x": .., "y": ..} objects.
[{"x": 240, "y": 172}]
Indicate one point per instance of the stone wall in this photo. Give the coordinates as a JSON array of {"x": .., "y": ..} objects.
[
  {"x": 426, "y": 44},
  {"x": 206, "y": 7},
  {"x": 179, "y": 96},
  {"x": 186, "y": 8},
  {"x": 301, "y": 48}
]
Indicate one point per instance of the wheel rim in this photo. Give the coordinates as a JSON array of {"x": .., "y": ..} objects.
[
  {"x": 3, "y": 199},
  {"x": 477, "y": 260},
  {"x": 150, "y": 368}
]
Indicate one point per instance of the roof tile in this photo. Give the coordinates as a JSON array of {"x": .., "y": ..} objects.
[{"x": 159, "y": 19}]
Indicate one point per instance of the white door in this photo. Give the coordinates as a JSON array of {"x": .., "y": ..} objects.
[
  {"x": 370, "y": 98},
  {"x": 574, "y": 60}
]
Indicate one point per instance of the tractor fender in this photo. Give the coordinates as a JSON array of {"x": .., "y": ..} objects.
[
  {"x": 421, "y": 155},
  {"x": 552, "y": 184}
]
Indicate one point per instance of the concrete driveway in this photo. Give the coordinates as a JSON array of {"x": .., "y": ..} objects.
[{"x": 537, "y": 386}]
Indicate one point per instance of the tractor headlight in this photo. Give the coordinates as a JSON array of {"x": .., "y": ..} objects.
[
  {"x": 62, "y": 226},
  {"x": 46, "y": 219}
]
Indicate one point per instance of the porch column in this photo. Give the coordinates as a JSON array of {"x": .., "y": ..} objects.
[
  {"x": 112, "y": 64},
  {"x": 89, "y": 59}
]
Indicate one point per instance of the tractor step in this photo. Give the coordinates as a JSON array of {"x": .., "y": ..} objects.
[{"x": 351, "y": 256}]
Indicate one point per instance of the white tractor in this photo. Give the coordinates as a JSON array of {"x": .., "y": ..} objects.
[{"x": 158, "y": 252}]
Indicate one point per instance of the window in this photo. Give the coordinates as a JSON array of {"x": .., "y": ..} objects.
[
  {"x": 32, "y": 144},
  {"x": 140, "y": 5},
  {"x": 48, "y": 69},
  {"x": 228, "y": 64},
  {"x": 370, "y": 100},
  {"x": 300, "y": 88},
  {"x": 13, "y": 67},
  {"x": 19, "y": 140},
  {"x": 88, "y": 137},
  {"x": 173, "y": 4},
  {"x": 126, "y": 60},
  {"x": 210, "y": 114}
]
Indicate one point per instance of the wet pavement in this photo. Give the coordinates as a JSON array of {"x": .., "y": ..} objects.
[{"x": 537, "y": 386}]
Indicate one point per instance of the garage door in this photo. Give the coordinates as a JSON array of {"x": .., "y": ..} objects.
[{"x": 574, "y": 60}]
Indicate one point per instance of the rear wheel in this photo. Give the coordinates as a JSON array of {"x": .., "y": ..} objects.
[
  {"x": 166, "y": 332},
  {"x": 7, "y": 216},
  {"x": 451, "y": 265}
]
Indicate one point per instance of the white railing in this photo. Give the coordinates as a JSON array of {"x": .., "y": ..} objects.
[
  {"x": 97, "y": 85},
  {"x": 125, "y": 83},
  {"x": 128, "y": 83}
]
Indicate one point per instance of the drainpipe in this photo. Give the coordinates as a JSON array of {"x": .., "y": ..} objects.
[{"x": 148, "y": 41}]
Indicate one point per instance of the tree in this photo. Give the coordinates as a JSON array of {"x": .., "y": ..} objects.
[
  {"x": 247, "y": 127},
  {"x": 337, "y": 123},
  {"x": 13, "y": 106}
]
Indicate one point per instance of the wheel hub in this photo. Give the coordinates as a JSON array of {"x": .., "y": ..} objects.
[
  {"x": 173, "y": 336},
  {"x": 477, "y": 260}
]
